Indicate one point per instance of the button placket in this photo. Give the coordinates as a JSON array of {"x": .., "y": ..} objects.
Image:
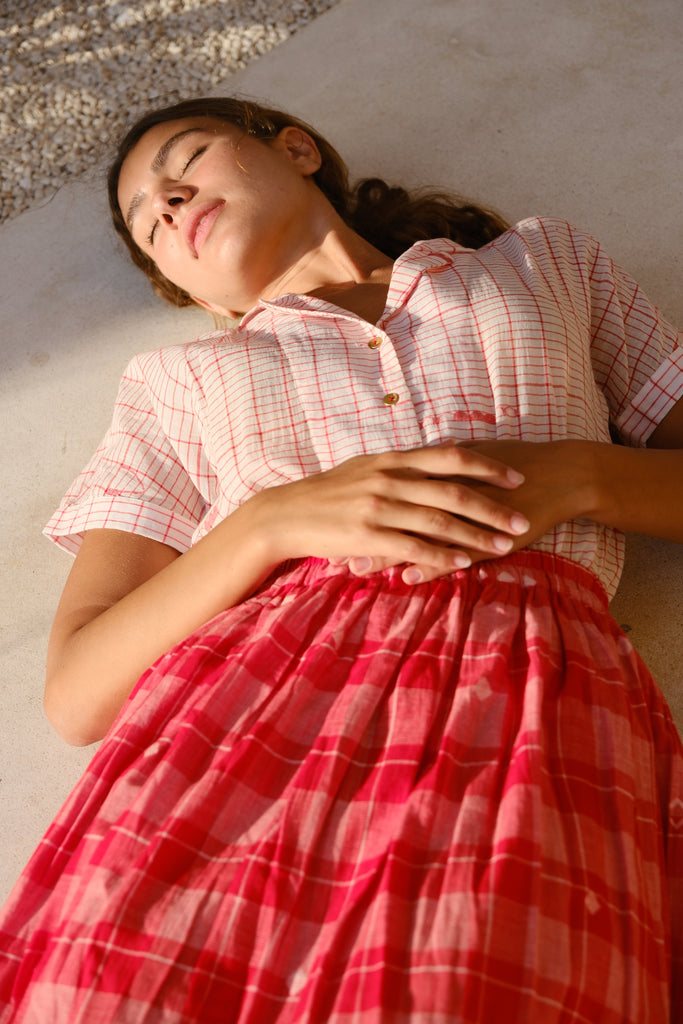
[
  {"x": 344, "y": 386},
  {"x": 391, "y": 397}
]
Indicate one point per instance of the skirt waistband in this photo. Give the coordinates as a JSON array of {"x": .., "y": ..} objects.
[{"x": 526, "y": 569}]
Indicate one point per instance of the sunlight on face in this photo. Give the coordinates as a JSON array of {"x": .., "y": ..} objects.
[{"x": 223, "y": 215}]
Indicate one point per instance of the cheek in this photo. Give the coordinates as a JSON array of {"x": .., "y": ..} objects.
[{"x": 168, "y": 258}]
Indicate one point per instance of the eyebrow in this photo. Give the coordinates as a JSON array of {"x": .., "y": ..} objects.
[{"x": 156, "y": 166}]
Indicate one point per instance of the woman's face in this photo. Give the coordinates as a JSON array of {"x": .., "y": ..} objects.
[{"x": 224, "y": 216}]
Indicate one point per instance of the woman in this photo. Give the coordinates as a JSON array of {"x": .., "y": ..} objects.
[{"x": 393, "y": 759}]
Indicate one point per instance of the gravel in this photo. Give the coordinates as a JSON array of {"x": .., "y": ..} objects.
[{"x": 73, "y": 74}]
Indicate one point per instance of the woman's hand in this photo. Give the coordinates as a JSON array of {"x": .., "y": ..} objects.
[
  {"x": 559, "y": 480},
  {"x": 639, "y": 490},
  {"x": 128, "y": 598},
  {"x": 417, "y": 507},
  {"x": 557, "y": 486}
]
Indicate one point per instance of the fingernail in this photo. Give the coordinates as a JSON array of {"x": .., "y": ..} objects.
[
  {"x": 462, "y": 561},
  {"x": 360, "y": 564},
  {"x": 515, "y": 478},
  {"x": 503, "y": 544},
  {"x": 519, "y": 524},
  {"x": 412, "y": 575}
]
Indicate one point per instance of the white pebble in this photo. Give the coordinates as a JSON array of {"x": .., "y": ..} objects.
[{"x": 74, "y": 76}]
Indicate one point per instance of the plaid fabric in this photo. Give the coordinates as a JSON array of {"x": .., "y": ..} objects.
[
  {"x": 352, "y": 802},
  {"x": 537, "y": 337}
]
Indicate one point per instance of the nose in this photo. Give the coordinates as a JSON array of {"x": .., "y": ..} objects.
[{"x": 168, "y": 202}]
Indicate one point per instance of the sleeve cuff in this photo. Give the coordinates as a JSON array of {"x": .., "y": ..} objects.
[
  {"x": 67, "y": 525},
  {"x": 653, "y": 402}
]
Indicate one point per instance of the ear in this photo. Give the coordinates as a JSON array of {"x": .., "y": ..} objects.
[{"x": 299, "y": 148}]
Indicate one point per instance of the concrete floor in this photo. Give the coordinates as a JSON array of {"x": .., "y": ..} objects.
[{"x": 561, "y": 107}]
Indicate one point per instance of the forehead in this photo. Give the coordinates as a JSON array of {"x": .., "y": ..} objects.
[
  {"x": 140, "y": 160},
  {"x": 156, "y": 136}
]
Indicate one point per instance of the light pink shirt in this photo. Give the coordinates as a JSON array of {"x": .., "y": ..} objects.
[{"x": 537, "y": 336}]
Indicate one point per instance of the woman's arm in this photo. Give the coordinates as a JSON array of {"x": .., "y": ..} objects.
[
  {"x": 128, "y": 599},
  {"x": 638, "y": 490},
  {"x": 641, "y": 489}
]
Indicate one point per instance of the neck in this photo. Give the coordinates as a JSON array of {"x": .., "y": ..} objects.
[
  {"x": 331, "y": 257},
  {"x": 366, "y": 299},
  {"x": 343, "y": 269}
]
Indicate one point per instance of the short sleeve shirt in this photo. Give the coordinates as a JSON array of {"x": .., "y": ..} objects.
[{"x": 538, "y": 336}]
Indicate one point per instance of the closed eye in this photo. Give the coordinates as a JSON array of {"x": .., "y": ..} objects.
[{"x": 193, "y": 156}]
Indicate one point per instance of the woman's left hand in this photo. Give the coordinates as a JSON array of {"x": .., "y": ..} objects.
[{"x": 557, "y": 485}]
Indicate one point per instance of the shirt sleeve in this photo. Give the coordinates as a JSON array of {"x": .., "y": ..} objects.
[
  {"x": 636, "y": 353},
  {"x": 142, "y": 478}
]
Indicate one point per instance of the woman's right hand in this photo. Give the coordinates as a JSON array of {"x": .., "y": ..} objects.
[
  {"x": 412, "y": 507},
  {"x": 129, "y": 598}
]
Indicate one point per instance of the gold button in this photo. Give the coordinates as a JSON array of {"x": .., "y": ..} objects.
[
  {"x": 374, "y": 342},
  {"x": 391, "y": 398}
]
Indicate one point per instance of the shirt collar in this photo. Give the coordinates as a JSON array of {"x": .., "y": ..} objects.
[{"x": 422, "y": 256}]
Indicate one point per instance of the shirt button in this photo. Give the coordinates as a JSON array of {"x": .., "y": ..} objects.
[
  {"x": 374, "y": 342},
  {"x": 391, "y": 398}
]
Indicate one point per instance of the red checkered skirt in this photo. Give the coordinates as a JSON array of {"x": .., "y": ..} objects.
[{"x": 348, "y": 801}]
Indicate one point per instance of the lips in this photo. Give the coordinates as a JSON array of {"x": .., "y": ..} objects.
[{"x": 199, "y": 222}]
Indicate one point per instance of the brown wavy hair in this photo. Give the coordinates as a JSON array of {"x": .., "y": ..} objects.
[{"x": 389, "y": 217}]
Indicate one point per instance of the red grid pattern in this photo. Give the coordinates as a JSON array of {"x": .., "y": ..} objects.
[
  {"x": 535, "y": 337},
  {"x": 354, "y": 802},
  {"x": 346, "y": 800}
]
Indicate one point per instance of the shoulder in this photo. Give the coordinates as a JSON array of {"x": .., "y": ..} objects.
[
  {"x": 179, "y": 354},
  {"x": 551, "y": 245},
  {"x": 539, "y": 237},
  {"x": 543, "y": 233},
  {"x": 180, "y": 363}
]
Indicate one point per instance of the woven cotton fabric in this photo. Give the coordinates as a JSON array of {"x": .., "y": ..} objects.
[
  {"x": 348, "y": 800},
  {"x": 536, "y": 337},
  {"x": 355, "y": 802}
]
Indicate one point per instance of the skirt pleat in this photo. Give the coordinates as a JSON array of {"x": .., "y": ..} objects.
[{"x": 349, "y": 801}]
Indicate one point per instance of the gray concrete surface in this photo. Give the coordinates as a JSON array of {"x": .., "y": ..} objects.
[{"x": 559, "y": 107}]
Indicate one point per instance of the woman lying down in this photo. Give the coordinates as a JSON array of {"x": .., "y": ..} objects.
[{"x": 374, "y": 751}]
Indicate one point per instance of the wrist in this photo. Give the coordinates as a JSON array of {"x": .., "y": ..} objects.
[
  {"x": 592, "y": 492},
  {"x": 615, "y": 484},
  {"x": 260, "y": 530}
]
